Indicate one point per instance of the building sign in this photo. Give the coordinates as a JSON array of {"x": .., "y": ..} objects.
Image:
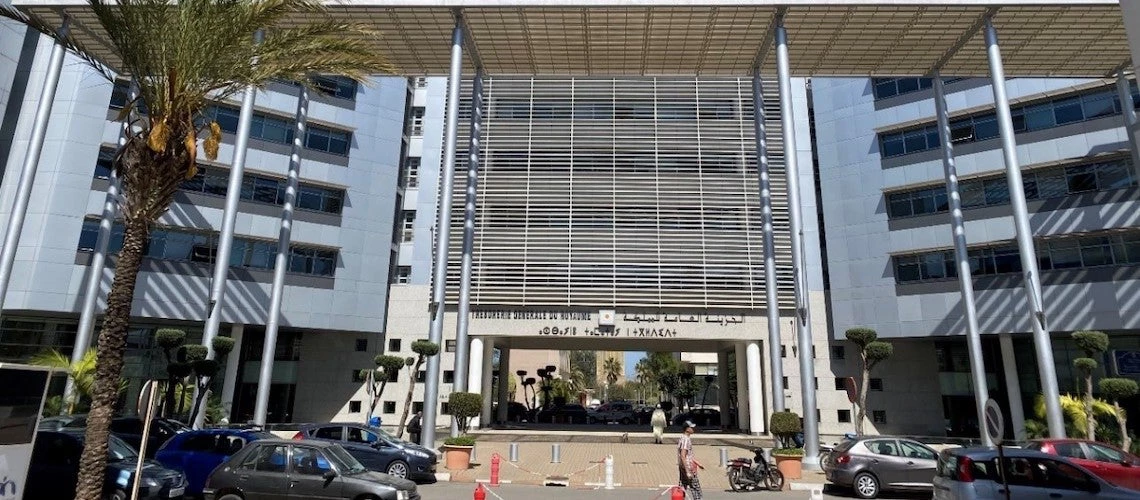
[
  {"x": 563, "y": 315},
  {"x": 606, "y": 324},
  {"x": 1127, "y": 362}
]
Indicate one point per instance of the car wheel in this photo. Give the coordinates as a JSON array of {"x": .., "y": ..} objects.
[
  {"x": 866, "y": 485},
  {"x": 398, "y": 468},
  {"x": 591, "y": 420},
  {"x": 117, "y": 495},
  {"x": 626, "y": 421},
  {"x": 230, "y": 496}
]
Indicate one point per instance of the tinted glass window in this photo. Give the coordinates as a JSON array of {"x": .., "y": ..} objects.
[
  {"x": 266, "y": 458},
  {"x": 332, "y": 432},
  {"x": 915, "y": 450},
  {"x": 309, "y": 461},
  {"x": 55, "y": 449},
  {"x": 127, "y": 426},
  {"x": 1102, "y": 453},
  {"x": 203, "y": 442},
  {"x": 883, "y": 447},
  {"x": 358, "y": 435}
]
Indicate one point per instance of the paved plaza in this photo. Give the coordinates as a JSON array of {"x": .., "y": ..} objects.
[{"x": 458, "y": 491}]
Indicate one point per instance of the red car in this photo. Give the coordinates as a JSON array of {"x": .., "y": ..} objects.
[{"x": 1106, "y": 461}]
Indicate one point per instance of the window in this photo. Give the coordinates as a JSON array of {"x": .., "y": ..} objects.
[
  {"x": 266, "y": 459},
  {"x": 915, "y": 450},
  {"x": 201, "y": 442},
  {"x": 843, "y": 416},
  {"x": 408, "y": 226},
  {"x": 879, "y": 416},
  {"x": 403, "y": 275},
  {"x": 838, "y": 352},
  {"x": 1102, "y": 453},
  {"x": 876, "y": 384},
  {"x": 815, "y": 383},
  {"x": 328, "y": 140},
  {"x": 104, "y": 164},
  {"x": 417, "y": 406},
  {"x": 418, "y": 120},
  {"x": 340, "y": 87},
  {"x": 215, "y": 181},
  {"x": 449, "y": 345},
  {"x": 445, "y": 409},
  {"x": 1070, "y": 450},
  {"x": 389, "y": 407},
  {"x": 394, "y": 376},
  {"x": 309, "y": 461},
  {"x": 449, "y": 376},
  {"x": 412, "y": 172},
  {"x": 332, "y": 432},
  {"x": 358, "y": 376},
  {"x": 840, "y": 383},
  {"x": 393, "y": 345},
  {"x": 890, "y": 87},
  {"x": 421, "y": 376},
  {"x": 421, "y": 82},
  {"x": 783, "y": 351},
  {"x": 354, "y": 406},
  {"x": 358, "y": 435},
  {"x": 361, "y": 345},
  {"x": 883, "y": 447},
  {"x": 785, "y": 383}
]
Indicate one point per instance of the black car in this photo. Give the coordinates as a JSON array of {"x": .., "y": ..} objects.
[
  {"x": 130, "y": 429},
  {"x": 54, "y": 470},
  {"x": 376, "y": 449},
  {"x": 565, "y": 414},
  {"x": 277, "y": 468},
  {"x": 516, "y": 412},
  {"x": 703, "y": 417}
]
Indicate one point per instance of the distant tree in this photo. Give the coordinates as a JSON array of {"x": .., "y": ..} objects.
[
  {"x": 170, "y": 340},
  {"x": 872, "y": 351},
  {"x": 205, "y": 369},
  {"x": 1116, "y": 389},
  {"x": 611, "y": 369},
  {"x": 464, "y": 406},
  {"x": 376, "y": 379},
  {"x": 1093, "y": 344},
  {"x": 587, "y": 363},
  {"x": 424, "y": 349},
  {"x": 82, "y": 374}
]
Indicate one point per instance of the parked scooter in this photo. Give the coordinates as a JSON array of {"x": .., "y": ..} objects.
[{"x": 750, "y": 475}]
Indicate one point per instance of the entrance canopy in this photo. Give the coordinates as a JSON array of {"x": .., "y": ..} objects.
[{"x": 1080, "y": 38}]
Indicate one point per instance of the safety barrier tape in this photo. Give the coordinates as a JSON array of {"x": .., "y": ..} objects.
[{"x": 533, "y": 473}]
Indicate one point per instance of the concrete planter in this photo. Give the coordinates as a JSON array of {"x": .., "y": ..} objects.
[
  {"x": 457, "y": 457},
  {"x": 791, "y": 466}
]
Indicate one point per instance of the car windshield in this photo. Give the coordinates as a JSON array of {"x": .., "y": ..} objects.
[
  {"x": 118, "y": 451},
  {"x": 343, "y": 460}
]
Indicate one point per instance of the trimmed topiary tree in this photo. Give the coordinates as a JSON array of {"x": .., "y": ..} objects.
[
  {"x": 376, "y": 379},
  {"x": 784, "y": 425},
  {"x": 169, "y": 340},
  {"x": 872, "y": 351},
  {"x": 1093, "y": 344},
  {"x": 424, "y": 349},
  {"x": 1116, "y": 389},
  {"x": 464, "y": 406},
  {"x": 205, "y": 369}
]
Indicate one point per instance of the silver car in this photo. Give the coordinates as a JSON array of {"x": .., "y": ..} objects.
[
  {"x": 870, "y": 465},
  {"x": 972, "y": 473}
]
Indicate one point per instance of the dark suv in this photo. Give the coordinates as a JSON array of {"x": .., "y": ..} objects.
[
  {"x": 376, "y": 449},
  {"x": 130, "y": 429}
]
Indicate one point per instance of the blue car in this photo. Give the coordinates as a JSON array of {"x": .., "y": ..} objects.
[
  {"x": 376, "y": 449},
  {"x": 198, "y": 453}
]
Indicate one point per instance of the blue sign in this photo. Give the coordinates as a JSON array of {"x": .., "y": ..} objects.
[{"x": 1127, "y": 362}]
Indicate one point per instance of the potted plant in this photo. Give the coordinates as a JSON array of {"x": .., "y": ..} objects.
[
  {"x": 463, "y": 406},
  {"x": 789, "y": 457}
]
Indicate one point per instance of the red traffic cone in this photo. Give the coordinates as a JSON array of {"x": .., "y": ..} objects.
[{"x": 480, "y": 493}]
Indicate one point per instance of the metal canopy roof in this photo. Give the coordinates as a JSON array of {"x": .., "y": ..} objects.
[{"x": 694, "y": 37}]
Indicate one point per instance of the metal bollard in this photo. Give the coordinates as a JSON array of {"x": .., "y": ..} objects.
[
  {"x": 817, "y": 494},
  {"x": 724, "y": 457},
  {"x": 513, "y": 452},
  {"x": 556, "y": 453},
  {"x": 610, "y": 472},
  {"x": 474, "y": 449}
]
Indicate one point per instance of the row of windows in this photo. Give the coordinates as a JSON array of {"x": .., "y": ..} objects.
[
  {"x": 1064, "y": 253},
  {"x": 565, "y": 109},
  {"x": 890, "y": 87},
  {"x": 263, "y": 126},
  {"x": 183, "y": 245},
  {"x": 1041, "y": 184},
  {"x": 1037, "y": 116},
  {"x": 215, "y": 181}
]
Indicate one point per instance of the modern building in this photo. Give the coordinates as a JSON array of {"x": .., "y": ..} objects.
[
  {"x": 890, "y": 258},
  {"x": 336, "y": 293}
]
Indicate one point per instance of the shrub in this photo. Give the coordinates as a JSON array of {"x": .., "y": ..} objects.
[
  {"x": 222, "y": 346},
  {"x": 193, "y": 352},
  {"x": 464, "y": 406},
  {"x": 459, "y": 441},
  {"x": 785, "y": 425},
  {"x": 169, "y": 338}
]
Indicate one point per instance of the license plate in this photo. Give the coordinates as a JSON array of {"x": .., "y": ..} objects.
[{"x": 176, "y": 492}]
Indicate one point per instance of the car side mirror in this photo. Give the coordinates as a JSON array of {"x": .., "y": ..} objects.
[
  {"x": 1126, "y": 462},
  {"x": 329, "y": 475}
]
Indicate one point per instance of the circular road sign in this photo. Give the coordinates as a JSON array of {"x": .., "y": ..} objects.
[{"x": 995, "y": 423}]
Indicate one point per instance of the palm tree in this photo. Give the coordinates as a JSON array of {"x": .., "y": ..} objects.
[
  {"x": 182, "y": 53},
  {"x": 82, "y": 372},
  {"x": 611, "y": 369}
]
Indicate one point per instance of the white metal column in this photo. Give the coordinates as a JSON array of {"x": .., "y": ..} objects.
[
  {"x": 486, "y": 379},
  {"x": 474, "y": 369},
  {"x": 776, "y": 368},
  {"x": 742, "y": 389},
  {"x": 1013, "y": 387},
  {"x": 962, "y": 258},
  {"x": 755, "y": 393},
  {"x": 799, "y": 272},
  {"x": 443, "y": 236},
  {"x": 31, "y": 164},
  {"x": 281, "y": 260},
  {"x": 230, "y": 378},
  {"x": 462, "y": 357},
  {"x": 1041, "y": 340}
]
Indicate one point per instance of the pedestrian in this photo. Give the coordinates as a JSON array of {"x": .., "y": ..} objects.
[
  {"x": 415, "y": 427},
  {"x": 658, "y": 422},
  {"x": 687, "y": 464}
]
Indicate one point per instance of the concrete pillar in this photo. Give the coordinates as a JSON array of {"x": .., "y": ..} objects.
[
  {"x": 485, "y": 386},
  {"x": 233, "y": 363},
  {"x": 475, "y": 367},
  {"x": 505, "y": 377},
  {"x": 742, "y": 419},
  {"x": 1013, "y": 387},
  {"x": 755, "y": 407},
  {"x": 722, "y": 377}
]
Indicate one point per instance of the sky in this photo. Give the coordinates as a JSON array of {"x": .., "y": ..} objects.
[{"x": 631, "y": 359}]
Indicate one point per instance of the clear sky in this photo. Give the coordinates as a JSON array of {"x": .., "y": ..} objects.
[{"x": 631, "y": 359}]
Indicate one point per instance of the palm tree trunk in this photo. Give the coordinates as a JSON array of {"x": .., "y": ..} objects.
[
  {"x": 1090, "y": 418},
  {"x": 408, "y": 399},
  {"x": 112, "y": 342},
  {"x": 1122, "y": 421},
  {"x": 859, "y": 419}
]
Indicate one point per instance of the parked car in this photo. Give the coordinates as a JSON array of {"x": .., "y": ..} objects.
[
  {"x": 54, "y": 470},
  {"x": 57, "y": 422},
  {"x": 703, "y": 417},
  {"x": 198, "y": 453},
  {"x": 871, "y": 465},
  {"x": 617, "y": 411},
  {"x": 1105, "y": 461},
  {"x": 972, "y": 473},
  {"x": 569, "y": 413},
  {"x": 377, "y": 450},
  {"x": 516, "y": 412},
  {"x": 130, "y": 429},
  {"x": 276, "y": 468}
]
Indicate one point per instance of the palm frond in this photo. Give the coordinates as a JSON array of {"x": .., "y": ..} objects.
[{"x": 52, "y": 31}]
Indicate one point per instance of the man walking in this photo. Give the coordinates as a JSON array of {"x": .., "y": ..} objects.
[
  {"x": 658, "y": 422},
  {"x": 415, "y": 427},
  {"x": 687, "y": 464}
]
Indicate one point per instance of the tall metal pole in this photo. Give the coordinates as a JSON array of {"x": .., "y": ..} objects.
[
  {"x": 962, "y": 258},
  {"x": 1025, "y": 247},
  {"x": 462, "y": 355},
  {"x": 31, "y": 164},
  {"x": 281, "y": 261},
  {"x": 1128, "y": 111},
  {"x": 777, "y": 365},
  {"x": 229, "y": 218},
  {"x": 99, "y": 256},
  {"x": 803, "y": 314},
  {"x": 442, "y": 235}
]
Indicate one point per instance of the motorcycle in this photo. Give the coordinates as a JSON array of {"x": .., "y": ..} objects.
[{"x": 750, "y": 475}]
